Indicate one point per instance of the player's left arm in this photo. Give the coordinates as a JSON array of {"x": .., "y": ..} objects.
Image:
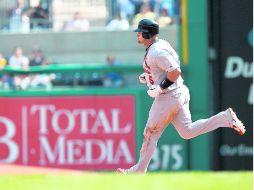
[{"x": 173, "y": 75}]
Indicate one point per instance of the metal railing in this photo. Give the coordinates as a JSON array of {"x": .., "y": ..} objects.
[{"x": 56, "y": 76}]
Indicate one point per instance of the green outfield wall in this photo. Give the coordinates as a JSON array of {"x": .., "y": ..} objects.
[{"x": 173, "y": 153}]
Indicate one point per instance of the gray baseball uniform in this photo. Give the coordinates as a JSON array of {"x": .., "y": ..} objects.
[{"x": 170, "y": 106}]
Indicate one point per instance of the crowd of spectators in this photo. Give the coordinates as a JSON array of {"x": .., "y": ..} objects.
[
  {"x": 17, "y": 60},
  {"x": 134, "y": 10},
  {"x": 125, "y": 15},
  {"x": 24, "y": 18},
  {"x": 77, "y": 23},
  {"x": 23, "y": 81}
]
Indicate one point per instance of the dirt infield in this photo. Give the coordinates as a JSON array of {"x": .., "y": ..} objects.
[{"x": 7, "y": 169}]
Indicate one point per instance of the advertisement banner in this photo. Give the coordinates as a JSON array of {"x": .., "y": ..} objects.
[
  {"x": 236, "y": 47},
  {"x": 75, "y": 132}
]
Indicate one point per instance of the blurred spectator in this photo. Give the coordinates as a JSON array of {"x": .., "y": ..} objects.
[
  {"x": 77, "y": 24},
  {"x": 119, "y": 23},
  {"x": 112, "y": 79},
  {"x": 6, "y": 81},
  {"x": 22, "y": 81},
  {"x": 18, "y": 60},
  {"x": 145, "y": 12},
  {"x": 109, "y": 79},
  {"x": 38, "y": 16},
  {"x": 3, "y": 61},
  {"x": 173, "y": 7},
  {"x": 38, "y": 58},
  {"x": 40, "y": 80},
  {"x": 4, "y": 78},
  {"x": 126, "y": 8},
  {"x": 164, "y": 20},
  {"x": 18, "y": 21},
  {"x": 111, "y": 60}
]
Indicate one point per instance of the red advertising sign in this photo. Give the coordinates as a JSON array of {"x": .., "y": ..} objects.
[{"x": 78, "y": 132}]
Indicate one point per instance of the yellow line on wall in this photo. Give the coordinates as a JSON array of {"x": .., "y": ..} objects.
[{"x": 184, "y": 4}]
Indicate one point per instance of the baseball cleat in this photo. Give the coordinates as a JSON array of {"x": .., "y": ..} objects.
[
  {"x": 237, "y": 125},
  {"x": 121, "y": 171}
]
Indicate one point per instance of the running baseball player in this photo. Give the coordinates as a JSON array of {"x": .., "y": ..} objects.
[{"x": 171, "y": 97}]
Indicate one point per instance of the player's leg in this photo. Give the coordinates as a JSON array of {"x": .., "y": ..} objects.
[
  {"x": 187, "y": 130},
  {"x": 183, "y": 124},
  {"x": 148, "y": 147},
  {"x": 160, "y": 115}
]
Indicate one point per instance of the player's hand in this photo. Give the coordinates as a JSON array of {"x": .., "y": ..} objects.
[
  {"x": 142, "y": 78},
  {"x": 155, "y": 91}
]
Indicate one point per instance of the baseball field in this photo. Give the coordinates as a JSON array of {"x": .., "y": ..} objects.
[{"x": 47, "y": 179}]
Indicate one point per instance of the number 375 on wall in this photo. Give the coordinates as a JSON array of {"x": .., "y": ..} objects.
[{"x": 167, "y": 157}]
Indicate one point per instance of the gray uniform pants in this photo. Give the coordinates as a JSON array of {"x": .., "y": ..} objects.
[{"x": 174, "y": 107}]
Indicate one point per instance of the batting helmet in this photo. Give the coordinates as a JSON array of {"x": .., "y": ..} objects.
[{"x": 148, "y": 27}]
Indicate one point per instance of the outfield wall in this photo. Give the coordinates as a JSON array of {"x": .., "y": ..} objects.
[
  {"x": 83, "y": 129},
  {"x": 55, "y": 128}
]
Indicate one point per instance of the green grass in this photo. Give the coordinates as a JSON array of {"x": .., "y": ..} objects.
[{"x": 111, "y": 181}]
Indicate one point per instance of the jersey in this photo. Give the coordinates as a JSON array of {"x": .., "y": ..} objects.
[{"x": 159, "y": 59}]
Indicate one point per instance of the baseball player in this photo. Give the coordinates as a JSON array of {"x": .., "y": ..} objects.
[{"x": 171, "y": 97}]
